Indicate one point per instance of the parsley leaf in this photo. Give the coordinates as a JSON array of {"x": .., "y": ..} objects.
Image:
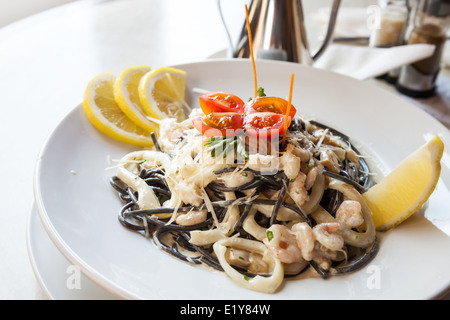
[
  {"x": 261, "y": 92},
  {"x": 223, "y": 145}
]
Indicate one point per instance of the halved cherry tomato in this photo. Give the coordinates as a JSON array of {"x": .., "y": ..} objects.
[
  {"x": 219, "y": 124},
  {"x": 221, "y": 102},
  {"x": 269, "y": 104},
  {"x": 265, "y": 124}
]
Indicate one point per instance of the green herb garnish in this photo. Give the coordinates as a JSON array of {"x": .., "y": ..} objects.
[
  {"x": 269, "y": 235},
  {"x": 223, "y": 145},
  {"x": 261, "y": 92}
]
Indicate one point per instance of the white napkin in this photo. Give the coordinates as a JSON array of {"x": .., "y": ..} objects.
[{"x": 367, "y": 62}]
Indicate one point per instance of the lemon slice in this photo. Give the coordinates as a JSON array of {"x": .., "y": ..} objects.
[
  {"x": 127, "y": 96},
  {"x": 162, "y": 93},
  {"x": 405, "y": 189},
  {"x": 103, "y": 112}
]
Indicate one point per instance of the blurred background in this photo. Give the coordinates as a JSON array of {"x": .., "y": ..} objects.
[{"x": 11, "y": 11}]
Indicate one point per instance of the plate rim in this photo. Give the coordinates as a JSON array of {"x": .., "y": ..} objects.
[
  {"x": 31, "y": 255},
  {"x": 35, "y": 231},
  {"x": 54, "y": 235}
]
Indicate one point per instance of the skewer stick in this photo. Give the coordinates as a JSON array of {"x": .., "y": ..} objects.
[
  {"x": 288, "y": 109},
  {"x": 251, "y": 50}
]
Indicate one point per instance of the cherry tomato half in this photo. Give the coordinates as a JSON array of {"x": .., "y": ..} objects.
[
  {"x": 269, "y": 104},
  {"x": 221, "y": 102},
  {"x": 219, "y": 124},
  {"x": 265, "y": 124}
]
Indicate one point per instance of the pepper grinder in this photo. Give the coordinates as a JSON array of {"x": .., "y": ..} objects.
[{"x": 431, "y": 22}]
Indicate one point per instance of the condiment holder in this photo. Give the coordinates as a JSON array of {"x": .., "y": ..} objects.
[{"x": 430, "y": 24}]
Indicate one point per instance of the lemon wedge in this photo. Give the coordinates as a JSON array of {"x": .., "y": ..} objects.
[
  {"x": 126, "y": 94},
  {"x": 162, "y": 93},
  {"x": 103, "y": 112},
  {"x": 405, "y": 189}
]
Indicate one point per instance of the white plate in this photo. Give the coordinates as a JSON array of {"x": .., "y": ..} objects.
[
  {"x": 56, "y": 275},
  {"x": 79, "y": 209}
]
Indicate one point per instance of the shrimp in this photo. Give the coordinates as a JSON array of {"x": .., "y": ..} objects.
[
  {"x": 191, "y": 218},
  {"x": 329, "y": 244},
  {"x": 329, "y": 160},
  {"x": 311, "y": 178},
  {"x": 283, "y": 244},
  {"x": 263, "y": 163},
  {"x": 297, "y": 190},
  {"x": 326, "y": 234},
  {"x": 290, "y": 164},
  {"x": 303, "y": 154},
  {"x": 305, "y": 239},
  {"x": 349, "y": 214},
  {"x": 236, "y": 178}
]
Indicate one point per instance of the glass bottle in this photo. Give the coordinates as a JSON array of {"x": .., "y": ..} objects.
[
  {"x": 390, "y": 32},
  {"x": 393, "y": 17},
  {"x": 431, "y": 23}
]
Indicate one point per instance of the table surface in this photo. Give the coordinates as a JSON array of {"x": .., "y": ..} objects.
[{"x": 46, "y": 61}]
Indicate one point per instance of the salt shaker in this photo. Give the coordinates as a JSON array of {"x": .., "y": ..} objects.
[
  {"x": 431, "y": 23},
  {"x": 394, "y": 14},
  {"x": 390, "y": 33}
]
